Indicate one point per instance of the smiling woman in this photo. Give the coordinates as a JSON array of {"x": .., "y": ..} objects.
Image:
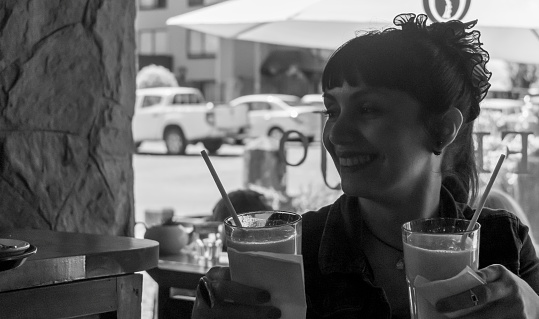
[
  {"x": 400, "y": 104},
  {"x": 375, "y": 139}
]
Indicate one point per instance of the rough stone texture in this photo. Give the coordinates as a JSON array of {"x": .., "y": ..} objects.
[{"x": 67, "y": 90}]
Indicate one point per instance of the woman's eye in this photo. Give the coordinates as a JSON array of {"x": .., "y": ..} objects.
[{"x": 329, "y": 113}]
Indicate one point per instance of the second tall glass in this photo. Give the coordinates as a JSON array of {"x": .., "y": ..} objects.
[{"x": 436, "y": 249}]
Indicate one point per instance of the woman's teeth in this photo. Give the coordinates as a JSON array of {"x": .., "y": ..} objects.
[{"x": 356, "y": 160}]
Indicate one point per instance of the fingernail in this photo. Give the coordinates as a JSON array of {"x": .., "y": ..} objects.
[
  {"x": 205, "y": 291},
  {"x": 263, "y": 297},
  {"x": 274, "y": 313}
]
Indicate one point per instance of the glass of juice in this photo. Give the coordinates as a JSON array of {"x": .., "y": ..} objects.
[
  {"x": 436, "y": 249},
  {"x": 269, "y": 231}
]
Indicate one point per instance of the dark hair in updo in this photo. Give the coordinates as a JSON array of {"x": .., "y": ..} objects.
[{"x": 441, "y": 65}]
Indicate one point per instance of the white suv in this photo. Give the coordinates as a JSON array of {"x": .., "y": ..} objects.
[{"x": 180, "y": 116}]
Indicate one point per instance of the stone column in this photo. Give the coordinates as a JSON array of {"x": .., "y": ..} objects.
[{"x": 67, "y": 90}]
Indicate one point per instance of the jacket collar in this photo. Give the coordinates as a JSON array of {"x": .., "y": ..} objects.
[{"x": 336, "y": 254}]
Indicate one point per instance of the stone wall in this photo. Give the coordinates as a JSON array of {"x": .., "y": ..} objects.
[{"x": 67, "y": 90}]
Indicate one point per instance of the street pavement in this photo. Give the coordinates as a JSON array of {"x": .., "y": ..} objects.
[{"x": 184, "y": 183}]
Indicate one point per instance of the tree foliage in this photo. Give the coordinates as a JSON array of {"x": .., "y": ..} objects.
[{"x": 155, "y": 76}]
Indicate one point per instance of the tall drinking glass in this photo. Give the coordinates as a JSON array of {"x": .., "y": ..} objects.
[
  {"x": 434, "y": 249},
  {"x": 269, "y": 231},
  {"x": 265, "y": 253}
]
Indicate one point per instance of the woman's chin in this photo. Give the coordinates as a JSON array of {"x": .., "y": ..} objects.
[{"x": 352, "y": 188}]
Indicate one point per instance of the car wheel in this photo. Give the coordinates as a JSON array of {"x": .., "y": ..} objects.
[
  {"x": 276, "y": 132},
  {"x": 175, "y": 141},
  {"x": 212, "y": 145}
]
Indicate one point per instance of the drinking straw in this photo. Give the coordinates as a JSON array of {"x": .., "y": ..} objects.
[
  {"x": 483, "y": 199},
  {"x": 228, "y": 203}
]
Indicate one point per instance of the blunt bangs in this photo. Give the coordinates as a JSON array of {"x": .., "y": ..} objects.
[{"x": 381, "y": 59}]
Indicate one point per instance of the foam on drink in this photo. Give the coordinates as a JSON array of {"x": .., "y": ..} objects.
[{"x": 268, "y": 231}]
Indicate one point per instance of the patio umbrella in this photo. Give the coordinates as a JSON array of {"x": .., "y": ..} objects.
[{"x": 510, "y": 29}]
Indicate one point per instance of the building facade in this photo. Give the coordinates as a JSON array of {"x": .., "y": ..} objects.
[{"x": 222, "y": 68}]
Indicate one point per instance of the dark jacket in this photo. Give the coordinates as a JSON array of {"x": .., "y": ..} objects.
[{"x": 338, "y": 283}]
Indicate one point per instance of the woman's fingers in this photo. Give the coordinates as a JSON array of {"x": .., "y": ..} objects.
[
  {"x": 492, "y": 273},
  {"x": 497, "y": 287},
  {"x": 475, "y": 297},
  {"x": 226, "y": 310},
  {"x": 218, "y": 297},
  {"x": 238, "y": 293},
  {"x": 218, "y": 273},
  {"x": 217, "y": 286},
  {"x": 225, "y": 290},
  {"x": 505, "y": 295},
  {"x": 467, "y": 299}
]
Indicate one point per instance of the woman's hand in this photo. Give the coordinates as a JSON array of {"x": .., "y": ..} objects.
[
  {"x": 219, "y": 297},
  {"x": 504, "y": 296}
]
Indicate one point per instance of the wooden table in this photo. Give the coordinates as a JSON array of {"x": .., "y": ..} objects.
[
  {"x": 76, "y": 275},
  {"x": 177, "y": 277}
]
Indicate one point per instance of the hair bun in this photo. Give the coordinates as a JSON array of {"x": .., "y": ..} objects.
[{"x": 463, "y": 42}]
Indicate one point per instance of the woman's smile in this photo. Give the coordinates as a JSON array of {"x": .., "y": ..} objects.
[{"x": 357, "y": 160}]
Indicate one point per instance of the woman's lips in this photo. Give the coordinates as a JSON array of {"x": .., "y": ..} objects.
[{"x": 356, "y": 160}]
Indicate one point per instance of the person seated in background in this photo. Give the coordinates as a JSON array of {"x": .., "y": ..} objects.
[{"x": 244, "y": 201}]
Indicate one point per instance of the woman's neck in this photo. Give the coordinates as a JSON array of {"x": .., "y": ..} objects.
[{"x": 385, "y": 216}]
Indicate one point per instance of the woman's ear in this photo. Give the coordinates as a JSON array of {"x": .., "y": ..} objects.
[{"x": 448, "y": 129}]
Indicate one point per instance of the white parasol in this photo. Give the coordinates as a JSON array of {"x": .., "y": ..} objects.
[{"x": 510, "y": 29}]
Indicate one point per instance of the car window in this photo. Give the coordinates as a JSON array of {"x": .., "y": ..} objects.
[
  {"x": 180, "y": 99},
  {"x": 195, "y": 99},
  {"x": 150, "y": 100},
  {"x": 189, "y": 98},
  {"x": 259, "y": 106}
]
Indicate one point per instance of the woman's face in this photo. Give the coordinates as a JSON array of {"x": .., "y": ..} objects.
[{"x": 376, "y": 140}]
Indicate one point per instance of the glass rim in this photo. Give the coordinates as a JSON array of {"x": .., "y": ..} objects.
[
  {"x": 476, "y": 227},
  {"x": 228, "y": 220}
]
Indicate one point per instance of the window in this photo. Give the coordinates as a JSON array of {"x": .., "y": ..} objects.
[
  {"x": 152, "y": 4},
  {"x": 201, "y": 46},
  {"x": 153, "y": 41},
  {"x": 180, "y": 99},
  {"x": 259, "y": 106},
  {"x": 187, "y": 99},
  {"x": 150, "y": 100},
  {"x": 194, "y": 99}
]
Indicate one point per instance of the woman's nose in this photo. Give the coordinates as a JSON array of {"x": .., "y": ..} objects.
[{"x": 342, "y": 131}]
